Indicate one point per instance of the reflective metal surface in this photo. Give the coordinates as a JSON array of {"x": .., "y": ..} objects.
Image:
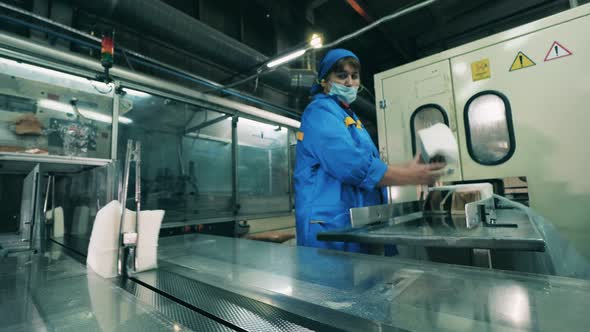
[
  {"x": 53, "y": 292},
  {"x": 23, "y": 163},
  {"x": 267, "y": 286},
  {"x": 378, "y": 213},
  {"x": 447, "y": 231},
  {"x": 411, "y": 295}
]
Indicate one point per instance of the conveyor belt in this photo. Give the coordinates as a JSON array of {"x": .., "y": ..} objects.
[
  {"x": 175, "y": 311},
  {"x": 214, "y": 283},
  {"x": 189, "y": 301},
  {"x": 406, "y": 294},
  {"x": 203, "y": 307},
  {"x": 248, "y": 309},
  {"x": 241, "y": 312}
]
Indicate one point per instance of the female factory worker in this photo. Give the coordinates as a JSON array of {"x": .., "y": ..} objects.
[{"x": 337, "y": 164}]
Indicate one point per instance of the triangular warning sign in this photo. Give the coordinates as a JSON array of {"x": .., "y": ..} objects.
[
  {"x": 521, "y": 61},
  {"x": 557, "y": 51}
]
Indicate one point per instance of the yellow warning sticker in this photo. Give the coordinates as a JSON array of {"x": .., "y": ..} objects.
[
  {"x": 480, "y": 70},
  {"x": 521, "y": 61}
]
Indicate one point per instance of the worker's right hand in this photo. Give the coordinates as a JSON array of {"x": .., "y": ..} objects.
[{"x": 412, "y": 173}]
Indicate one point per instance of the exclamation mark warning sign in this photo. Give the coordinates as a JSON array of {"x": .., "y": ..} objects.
[
  {"x": 521, "y": 61},
  {"x": 557, "y": 51}
]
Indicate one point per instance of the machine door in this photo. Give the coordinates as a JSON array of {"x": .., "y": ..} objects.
[
  {"x": 409, "y": 102},
  {"x": 530, "y": 118},
  {"x": 28, "y": 209}
]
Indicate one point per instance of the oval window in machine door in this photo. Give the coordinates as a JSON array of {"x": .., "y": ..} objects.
[
  {"x": 488, "y": 128},
  {"x": 424, "y": 117}
]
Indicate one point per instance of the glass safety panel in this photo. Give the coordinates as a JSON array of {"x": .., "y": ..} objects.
[
  {"x": 45, "y": 111},
  {"x": 263, "y": 168},
  {"x": 488, "y": 125},
  {"x": 424, "y": 117},
  {"x": 186, "y": 156}
]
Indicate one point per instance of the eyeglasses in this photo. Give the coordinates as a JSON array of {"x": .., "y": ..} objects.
[{"x": 344, "y": 75}]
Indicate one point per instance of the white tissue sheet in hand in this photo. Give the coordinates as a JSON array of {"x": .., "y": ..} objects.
[
  {"x": 103, "y": 247},
  {"x": 438, "y": 140}
]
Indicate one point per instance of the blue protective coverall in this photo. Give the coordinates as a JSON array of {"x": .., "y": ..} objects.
[{"x": 337, "y": 168}]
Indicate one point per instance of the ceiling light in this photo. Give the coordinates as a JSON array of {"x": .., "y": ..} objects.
[
  {"x": 92, "y": 115},
  {"x": 125, "y": 120},
  {"x": 136, "y": 93},
  {"x": 316, "y": 41},
  {"x": 285, "y": 58},
  {"x": 46, "y": 71}
]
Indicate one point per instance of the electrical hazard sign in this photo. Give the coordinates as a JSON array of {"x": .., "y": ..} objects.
[
  {"x": 557, "y": 51},
  {"x": 521, "y": 61}
]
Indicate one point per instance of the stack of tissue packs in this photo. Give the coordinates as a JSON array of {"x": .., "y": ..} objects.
[{"x": 103, "y": 247}]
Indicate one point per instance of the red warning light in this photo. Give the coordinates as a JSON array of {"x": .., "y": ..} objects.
[{"x": 107, "y": 52}]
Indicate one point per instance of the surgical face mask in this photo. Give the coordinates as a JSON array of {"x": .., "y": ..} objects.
[{"x": 345, "y": 93}]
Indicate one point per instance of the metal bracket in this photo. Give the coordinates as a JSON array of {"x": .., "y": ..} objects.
[
  {"x": 477, "y": 207},
  {"x": 128, "y": 240},
  {"x": 482, "y": 211}
]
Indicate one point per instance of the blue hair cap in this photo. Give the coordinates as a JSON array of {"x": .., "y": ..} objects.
[{"x": 326, "y": 64}]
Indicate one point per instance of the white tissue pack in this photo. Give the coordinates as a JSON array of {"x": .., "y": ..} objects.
[
  {"x": 103, "y": 247},
  {"x": 438, "y": 140}
]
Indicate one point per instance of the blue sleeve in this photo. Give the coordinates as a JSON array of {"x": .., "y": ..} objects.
[{"x": 329, "y": 140}]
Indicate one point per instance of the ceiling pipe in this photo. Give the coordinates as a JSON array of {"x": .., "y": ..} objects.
[
  {"x": 18, "y": 48},
  {"x": 136, "y": 57},
  {"x": 359, "y": 8},
  {"x": 167, "y": 23}
]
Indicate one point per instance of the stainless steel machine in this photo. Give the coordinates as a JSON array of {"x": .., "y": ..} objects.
[
  {"x": 467, "y": 217},
  {"x": 519, "y": 127}
]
